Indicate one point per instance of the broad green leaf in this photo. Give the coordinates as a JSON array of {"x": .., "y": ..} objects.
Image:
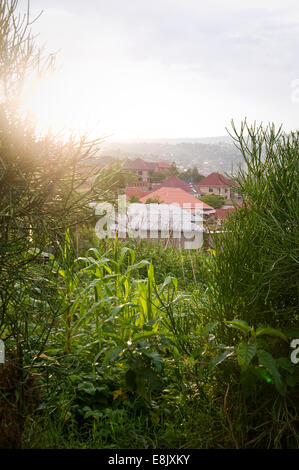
[
  {"x": 268, "y": 361},
  {"x": 272, "y": 332},
  {"x": 119, "y": 308},
  {"x": 138, "y": 337},
  {"x": 208, "y": 328},
  {"x": 170, "y": 280},
  {"x": 286, "y": 364},
  {"x": 224, "y": 355},
  {"x": 156, "y": 358},
  {"x": 139, "y": 265},
  {"x": 125, "y": 250},
  {"x": 292, "y": 332},
  {"x": 245, "y": 353},
  {"x": 112, "y": 355},
  {"x": 87, "y": 387},
  {"x": 240, "y": 325},
  {"x": 261, "y": 373}
]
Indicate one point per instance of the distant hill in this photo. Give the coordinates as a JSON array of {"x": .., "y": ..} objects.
[{"x": 207, "y": 154}]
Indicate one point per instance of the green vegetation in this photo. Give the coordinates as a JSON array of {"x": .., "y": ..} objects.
[
  {"x": 220, "y": 153},
  {"x": 168, "y": 261},
  {"x": 134, "y": 199},
  {"x": 157, "y": 177},
  {"x": 115, "y": 178},
  {"x": 122, "y": 344},
  {"x": 213, "y": 200},
  {"x": 192, "y": 174},
  {"x": 153, "y": 200}
]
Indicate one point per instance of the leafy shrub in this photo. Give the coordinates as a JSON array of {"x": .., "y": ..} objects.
[{"x": 213, "y": 200}]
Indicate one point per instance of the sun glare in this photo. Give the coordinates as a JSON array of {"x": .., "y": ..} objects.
[{"x": 64, "y": 106}]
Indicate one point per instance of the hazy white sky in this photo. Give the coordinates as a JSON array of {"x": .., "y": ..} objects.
[{"x": 168, "y": 68}]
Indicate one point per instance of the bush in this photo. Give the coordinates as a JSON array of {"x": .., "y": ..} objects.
[
  {"x": 255, "y": 273},
  {"x": 253, "y": 286},
  {"x": 213, "y": 200}
]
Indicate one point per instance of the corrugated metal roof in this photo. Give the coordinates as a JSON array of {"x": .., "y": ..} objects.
[{"x": 159, "y": 217}]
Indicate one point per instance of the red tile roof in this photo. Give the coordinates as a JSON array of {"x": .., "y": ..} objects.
[
  {"x": 175, "y": 182},
  {"x": 216, "y": 179},
  {"x": 175, "y": 196},
  {"x": 132, "y": 191},
  {"x": 151, "y": 165},
  {"x": 223, "y": 213},
  {"x": 163, "y": 165},
  {"x": 138, "y": 164}
]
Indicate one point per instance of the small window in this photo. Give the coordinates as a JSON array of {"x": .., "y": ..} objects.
[
  {"x": 225, "y": 190},
  {"x": 210, "y": 190}
]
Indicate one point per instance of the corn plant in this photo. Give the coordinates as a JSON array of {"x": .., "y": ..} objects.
[{"x": 114, "y": 316}]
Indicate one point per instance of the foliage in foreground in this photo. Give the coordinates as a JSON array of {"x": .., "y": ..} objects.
[
  {"x": 107, "y": 350},
  {"x": 130, "y": 362},
  {"x": 255, "y": 273},
  {"x": 130, "y": 358}
]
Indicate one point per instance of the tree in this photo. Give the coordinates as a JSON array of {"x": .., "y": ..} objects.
[
  {"x": 114, "y": 179},
  {"x": 157, "y": 177},
  {"x": 191, "y": 174},
  {"x": 196, "y": 176},
  {"x": 185, "y": 175},
  {"x": 42, "y": 193},
  {"x": 173, "y": 171}
]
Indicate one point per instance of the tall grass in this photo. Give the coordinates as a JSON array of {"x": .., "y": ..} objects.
[
  {"x": 255, "y": 274},
  {"x": 253, "y": 281}
]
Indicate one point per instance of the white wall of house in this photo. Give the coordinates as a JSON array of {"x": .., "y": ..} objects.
[
  {"x": 217, "y": 190},
  {"x": 223, "y": 191}
]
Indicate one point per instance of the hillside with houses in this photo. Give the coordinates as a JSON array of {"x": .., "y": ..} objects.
[
  {"x": 208, "y": 155},
  {"x": 152, "y": 190},
  {"x": 148, "y": 288},
  {"x": 174, "y": 190}
]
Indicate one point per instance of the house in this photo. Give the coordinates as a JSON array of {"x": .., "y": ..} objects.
[
  {"x": 134, "y": 191},
  {"x": 220, "y": 185},
  {"x": 163, "y": 167},
  {"x": 175, "y": 182},
  {"x": 169, "y": 223},
  {"x": 181, "y": 198},
  {"x": 222, "y": 214},
  {"x": 173, "y": 215},
  {"x": 144, "y": 170}
]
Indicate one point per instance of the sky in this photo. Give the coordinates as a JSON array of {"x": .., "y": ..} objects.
[{"x": 141, "y": 69}]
